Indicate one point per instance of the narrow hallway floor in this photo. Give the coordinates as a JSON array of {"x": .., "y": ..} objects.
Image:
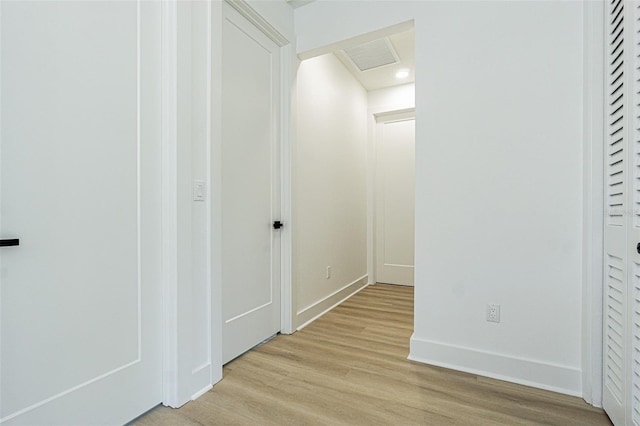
[{"x": 350, "y": 367}]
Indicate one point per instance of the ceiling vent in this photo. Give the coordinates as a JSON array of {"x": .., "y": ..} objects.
[{"x": 372, "y": 54}]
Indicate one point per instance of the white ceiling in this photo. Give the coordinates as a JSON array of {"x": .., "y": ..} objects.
[{"x": 385, "y": 76}]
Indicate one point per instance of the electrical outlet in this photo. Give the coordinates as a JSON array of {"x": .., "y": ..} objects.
[
  {"x": 328, "y": 272},
  {"x": 493, "y": 312}
]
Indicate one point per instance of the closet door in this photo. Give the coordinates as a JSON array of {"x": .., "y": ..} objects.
[
  {"x": 621, "y": 317},
  {"x": 633, "y": 246}
]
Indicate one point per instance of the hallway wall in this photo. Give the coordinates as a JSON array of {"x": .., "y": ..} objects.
[
  {"x": 392, "y": 98},
  {"x": 329, "y": 187},
  {"x": 498, "y": 178}
]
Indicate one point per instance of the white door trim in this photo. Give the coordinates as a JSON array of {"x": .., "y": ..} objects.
[
  {"x": 382, "y": 118},
  {"x": 213, "y": 378},
  {"x": 593, "y": 202},
  {"x": 395, "y": 115},
  {"x": 258, "y": 21},
  {"x": 287, "y": 56},
  {"x": 215, "y": 183},
  {"x": 376, "y": 115},
  {"x": 169, "y": 206}
]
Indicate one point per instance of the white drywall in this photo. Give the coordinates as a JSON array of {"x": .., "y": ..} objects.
[
  {"x": 593, "y": 202},
  {"x": 195, "y": 369},
  {"x": 498, "y": 179},
  {"x": 329, "y": 187},
  {"x": 201, "y": 368},
  {"x": 278, "y": 13},
  {"x": 392, "y": 98},
  {"x": 324, "y": 22}
]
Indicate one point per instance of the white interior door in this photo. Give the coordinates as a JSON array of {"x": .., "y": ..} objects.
[
  {"x": 250, "y": 185},
  {"x": 621, "y": 352},
  {"x": 80, "y": 303},
  {"x": 395, "y": 183}
]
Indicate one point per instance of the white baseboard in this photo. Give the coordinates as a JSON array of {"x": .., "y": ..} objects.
[
  {"x": 201, "y": 380},
  {"x": 201, "y": 392},
  {"x": 314, "y": 311},
  {"x": 527, "y": 372}
]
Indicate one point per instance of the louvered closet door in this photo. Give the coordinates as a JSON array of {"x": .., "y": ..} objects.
[
  {"x": 621, "y": 385},
  {"x": 633, "y": 318},
  {"x": 615, "y": 250}
]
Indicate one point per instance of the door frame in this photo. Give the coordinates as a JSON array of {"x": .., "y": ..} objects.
[
  {"x": 169, "y": 203},
  {"x": 593, "y": 202},
  {"x": 372, "y": 148},
  {"x": 379, "y": 116}
]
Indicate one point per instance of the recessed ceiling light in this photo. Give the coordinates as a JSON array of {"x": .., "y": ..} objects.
[{"x": 402, "y": 74}]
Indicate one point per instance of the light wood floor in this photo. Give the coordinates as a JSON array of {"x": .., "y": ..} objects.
[{"x": 350, "y": 367}]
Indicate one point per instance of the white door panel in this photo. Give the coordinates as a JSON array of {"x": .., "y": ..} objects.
[
  {"x": 80, "y": 300},
  {"x": 616, "y": 226},
  {"x": 621, "y": 310},
  {"x": 395, "y": 170},
  {"x": 250, "y": 186},
  {"x": 632, "y": 357}
]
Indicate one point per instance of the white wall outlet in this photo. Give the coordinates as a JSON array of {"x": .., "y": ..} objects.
[
  {"x": 328, "y": 272},
  {"x": 493, "y": 312}
]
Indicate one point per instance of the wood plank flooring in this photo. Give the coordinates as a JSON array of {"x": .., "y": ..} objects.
[{"x": 350, "y": 367}]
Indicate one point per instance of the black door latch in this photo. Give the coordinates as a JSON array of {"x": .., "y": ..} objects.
[
  {"x": 277, "y": 224},
  {"x": 10, "y": 242}
]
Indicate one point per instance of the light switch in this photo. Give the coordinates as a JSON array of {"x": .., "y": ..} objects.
[{"x": 198, "y": 190}]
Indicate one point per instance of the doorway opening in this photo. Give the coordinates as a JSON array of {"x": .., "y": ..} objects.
[{"x": 352, "y": 170}]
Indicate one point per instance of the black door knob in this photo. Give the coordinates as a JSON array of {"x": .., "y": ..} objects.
[{"x": 277, "y": 224}]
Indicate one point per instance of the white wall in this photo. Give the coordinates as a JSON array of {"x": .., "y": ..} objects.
[
  {"x": 198, "y": 254},
  {"x": 343, "y": 19},
  {"x": 498, "y": 179},
  {"x": 593, "y": 202},
  {"x": 392, "y": 98},
  {"x": 195, "y": 370},
  {"x": 278, "y": 13},
  {"x": 329, "y": 187}
]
